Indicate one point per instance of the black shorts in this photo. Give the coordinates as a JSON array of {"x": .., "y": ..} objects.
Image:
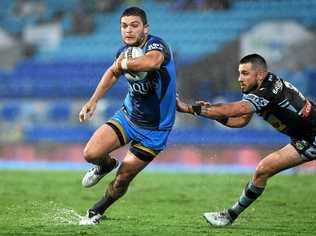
[{"x": 306, "y": 150}]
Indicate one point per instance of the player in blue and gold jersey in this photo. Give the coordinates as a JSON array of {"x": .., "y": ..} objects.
[{"x": 145, "y": 119}]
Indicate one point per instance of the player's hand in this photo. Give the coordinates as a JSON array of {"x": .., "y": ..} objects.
[
  {"x": 203, "y": 103},
  {"x": 182, "y": 106},
  {"x": 87, "y": 111}
]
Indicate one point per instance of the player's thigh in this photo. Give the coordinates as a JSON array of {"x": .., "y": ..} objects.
[
  {"x": 131, "y": 166},
  {"x": 281, "y": 159},
  {"x": 104, "y": 140}
]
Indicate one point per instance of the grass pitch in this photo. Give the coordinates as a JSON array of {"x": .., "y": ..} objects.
[{"x": 48, "y": 203}]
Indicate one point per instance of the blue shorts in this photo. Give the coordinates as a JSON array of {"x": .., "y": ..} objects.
[{"x": 145, "y": 143}]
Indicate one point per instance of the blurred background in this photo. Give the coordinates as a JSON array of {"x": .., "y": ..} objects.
[{"x": 53, "y": 53}]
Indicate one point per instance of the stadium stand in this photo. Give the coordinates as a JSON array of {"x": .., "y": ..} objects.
[{"x": 69, "y": 73}]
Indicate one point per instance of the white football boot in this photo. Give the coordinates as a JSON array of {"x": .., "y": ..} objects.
[
  {"x": 91, "y": 218},
  {"x": 93, "y": 176},
  {"x": 220, "y": 219}
]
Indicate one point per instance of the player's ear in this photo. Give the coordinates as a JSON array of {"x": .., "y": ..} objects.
[
  {"x": 146, "y": 29},
  {"x": 261, "y": 75}
]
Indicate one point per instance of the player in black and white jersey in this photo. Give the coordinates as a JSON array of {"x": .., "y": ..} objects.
[{"x": 280, "y": 104}]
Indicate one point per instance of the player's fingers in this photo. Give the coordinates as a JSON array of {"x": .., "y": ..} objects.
[
  {"x": 86, "y": 116},
  {"x": 81, "y": 117},
  {"x": 200, "y": 102},
  {"x": 181, "y": 106},
  {"x": 121, "y": 56},
  {"x": 203, "y": 103},
  {"x": 82, "y": 114},
  {"x": 116, "y": 68},
  {"x": 89, "y": 114},
  {"x": 179, "y": 103},
  {"x": 178, "y": 97}
]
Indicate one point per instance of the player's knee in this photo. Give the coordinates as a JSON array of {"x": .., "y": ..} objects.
[
  {"x": 263, "y": 171},
  {"x": 89, "y": 155}
]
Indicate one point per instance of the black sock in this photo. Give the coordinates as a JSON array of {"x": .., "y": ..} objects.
[
  {"x": 248, "y": 196},
  {"x": 108, "y": 166},
  {"x": 232, "y": 214},
  {"x": 103, "y": 204}
]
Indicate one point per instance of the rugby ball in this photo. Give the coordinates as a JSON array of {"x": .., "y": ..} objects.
[{"x": 133, "y": 52}]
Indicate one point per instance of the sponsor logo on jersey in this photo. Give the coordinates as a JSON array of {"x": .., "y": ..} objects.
[
  {"x": 259, "y": 102},
  {"x": 155, "y": 46},
  {"x": 142, "y": 87},
  {"x": 278, "y": 85},
  {"x": 299, "y": 145},
  {"x": 276, "y": 123}
]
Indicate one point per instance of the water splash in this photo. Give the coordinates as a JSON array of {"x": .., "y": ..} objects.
[{"x": 63, "y": 216}]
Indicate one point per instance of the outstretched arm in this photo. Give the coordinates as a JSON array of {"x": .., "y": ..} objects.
[
  {"x": 108, "y": 79},
  {"x": 236, "y": 122},
  {"x": 235, "y": 114}
]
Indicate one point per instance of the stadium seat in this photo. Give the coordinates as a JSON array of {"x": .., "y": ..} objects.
[
  {"x": 10, "y": 112},
  {"x": 59, "y": 111},
  {"x": 74, "y": 69}
]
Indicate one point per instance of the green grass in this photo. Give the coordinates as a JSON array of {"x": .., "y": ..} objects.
[{"x": 44, "y": 202}]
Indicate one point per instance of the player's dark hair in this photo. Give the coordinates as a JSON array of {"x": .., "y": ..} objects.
[
  {"x": 257, "y": 61},
  {"x": 135, "y": 11}
]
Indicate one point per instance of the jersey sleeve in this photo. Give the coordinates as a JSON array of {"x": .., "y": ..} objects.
[
  {"x": 269, "y": 93},
  {"x": 158, "y": 45},
  {"x": 258, "y": 102}
]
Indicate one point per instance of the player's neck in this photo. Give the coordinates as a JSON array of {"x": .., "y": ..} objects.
[
  {"x": 259, "y": 83},
  {"x": 143, "y": 41}
]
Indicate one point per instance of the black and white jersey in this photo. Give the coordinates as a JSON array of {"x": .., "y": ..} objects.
[{"x": 284, "y": 107}]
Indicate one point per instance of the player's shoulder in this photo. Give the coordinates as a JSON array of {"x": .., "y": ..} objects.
[
  {"x": 153, "y": 38},
  {"x": 155, "y": 43},
  {"x": 271, "y": 86}
]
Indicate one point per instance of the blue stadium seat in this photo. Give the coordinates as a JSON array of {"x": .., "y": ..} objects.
[
  {"x": 10, "y": 112},
  {"x": 59, "y": 111}
]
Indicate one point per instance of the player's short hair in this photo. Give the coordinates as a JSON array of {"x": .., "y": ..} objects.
[
  {"x": 257, "y": 61},
  {"x": 135, "y": 11}
]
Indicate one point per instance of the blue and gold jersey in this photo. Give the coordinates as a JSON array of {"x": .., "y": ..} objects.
[{"x": 151, "y": 102}]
